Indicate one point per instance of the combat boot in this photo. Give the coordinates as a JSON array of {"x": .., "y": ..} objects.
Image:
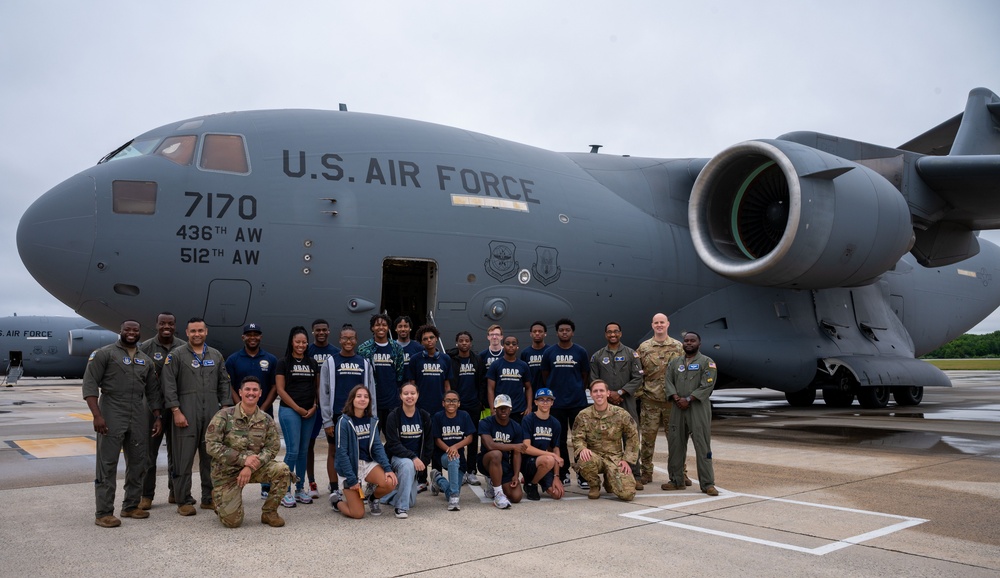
[
  {"x": 186, "y": 510},
  {"x": 638, "y": 484},
  {"x": 137, "y": 513},
  {"x": 646, "y": 478},
  {"x": 670, "y": 487},
  {"x": 108, "y": 522},
  {"x": 145, "y": 503},
  {"x": 272, "y": 519},
  {"x": 594, "y": 489}
]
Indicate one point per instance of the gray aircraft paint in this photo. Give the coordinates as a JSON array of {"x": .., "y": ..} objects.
[
  {"x": 508, "y": 233},
  {"x": 50, "y": 346}
]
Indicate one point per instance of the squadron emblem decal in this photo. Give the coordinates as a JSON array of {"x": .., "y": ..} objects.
[
  {"x": 546, "y": 267},
  {"x": 501, "y": 264}
]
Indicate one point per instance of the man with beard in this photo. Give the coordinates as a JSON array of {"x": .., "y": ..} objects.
[
  {"x": 690, "y": 381},
  {"x": 618, "y": 366},
  {"x": 195, "y": 387},
  {"x": 124, "y": 378}
]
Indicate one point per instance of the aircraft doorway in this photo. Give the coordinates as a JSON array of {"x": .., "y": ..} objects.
[{"x": 409, "y": 287}]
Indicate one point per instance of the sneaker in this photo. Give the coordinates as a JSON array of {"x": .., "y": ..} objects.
[
  {"x": 263, "y": 494},
  {"x": 501, "y": 501},
  {"x": 582, "y": 483},
  {"x": 472, "y": 479},
  {"x": 435, "y": 490},
  {"x": 421, "y": 488},
  {"x": 401, "y": 514},
  {"x": 453, "y": 504},
  {"x": 375, "y": 506},
  {"x": 335, "y": 497},
  {"x": 288, "y": 500},
  {"x": 488, "y": 489},
  {"x": 531, "y": 492},
  {"x": 303, "y": 497},
  {"x": 313, "y": 491},
  {"x": 566, "y": 480}
]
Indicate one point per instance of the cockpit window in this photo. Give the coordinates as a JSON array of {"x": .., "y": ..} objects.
[
  {"x": 179, "y": 149},
  {"x": 132, "y": 148},
  {"x": 133, "y": 197},
  {"x": 224, "y": 152}
]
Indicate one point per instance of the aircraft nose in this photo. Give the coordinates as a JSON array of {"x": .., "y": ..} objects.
[{"x": 55, "y": 237}]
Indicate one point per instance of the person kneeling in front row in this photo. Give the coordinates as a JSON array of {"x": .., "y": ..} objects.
[{"x": 243, "y": 442}]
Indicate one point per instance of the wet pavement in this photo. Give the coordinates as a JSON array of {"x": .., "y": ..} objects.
[{"x": 813, "y": 491}]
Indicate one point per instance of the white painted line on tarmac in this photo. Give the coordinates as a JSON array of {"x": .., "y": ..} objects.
[{"x": 903, "y": 523}]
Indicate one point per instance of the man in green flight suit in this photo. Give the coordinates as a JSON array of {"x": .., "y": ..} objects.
[
  {"x": 690, "y": 381},
  {"x": 195, "y": 386},
  {"x": 124, "y": 378},
  {"x": 243, "y": 442}
]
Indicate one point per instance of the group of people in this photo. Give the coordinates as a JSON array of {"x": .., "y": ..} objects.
[{"x": 445, "y": 417}]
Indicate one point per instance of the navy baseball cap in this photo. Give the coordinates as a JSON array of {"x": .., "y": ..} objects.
[{"x": 251, "y": 328}]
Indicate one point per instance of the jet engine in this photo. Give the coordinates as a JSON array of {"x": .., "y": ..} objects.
[
  {"x": 83, "y": 341},
  {"x": 780, "y": 214}
]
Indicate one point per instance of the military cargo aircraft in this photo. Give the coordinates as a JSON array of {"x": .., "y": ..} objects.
[
  {"x": 40, "y": 346},
  {"x": 807, "y": 263}
]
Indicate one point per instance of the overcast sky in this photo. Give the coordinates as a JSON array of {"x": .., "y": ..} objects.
[{"x": 657, "y": 78}]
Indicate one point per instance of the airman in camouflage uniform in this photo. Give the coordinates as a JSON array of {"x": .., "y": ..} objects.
[
  {"x": 243, "y": 444},
  {"x": 598, "y": 433},
  {"x": 690, "y": 381},
  {"x": 654, "y": 353}
]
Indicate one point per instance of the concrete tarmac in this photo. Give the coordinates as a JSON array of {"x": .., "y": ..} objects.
[{"x": 811, "y": 491}]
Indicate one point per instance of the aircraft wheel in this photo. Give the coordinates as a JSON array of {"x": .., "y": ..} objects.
[
  {"x": 910, "y": 395},
  {"x": 873, "y": 397},
  {"x": 802, "y": 398},
  {"x": 838, "y": 398}
]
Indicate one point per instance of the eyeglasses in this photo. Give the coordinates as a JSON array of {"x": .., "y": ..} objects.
[{"x": 451, "y": 401}]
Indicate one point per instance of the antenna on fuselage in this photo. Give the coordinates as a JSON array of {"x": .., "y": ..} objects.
[
  {"x": 595, "y": 148},
  {"x": 343, "y": 107}
]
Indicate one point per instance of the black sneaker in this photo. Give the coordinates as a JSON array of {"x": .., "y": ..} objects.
[
  {"x": 582, "y": 483},
  {"x": 565, "y": 480},
  {"x": 375, "y": 506},
  {"x": 531, "y": 491}
]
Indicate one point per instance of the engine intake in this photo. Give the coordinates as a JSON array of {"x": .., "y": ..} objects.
[
  {"x": 84, "y": 341},
  {"x": 780, "y": 214}
]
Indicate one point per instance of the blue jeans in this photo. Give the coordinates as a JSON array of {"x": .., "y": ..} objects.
[
  {"x": 453, "y": 485},
  {"x": 405, "y": 494},
  {"x": 296, "y": 430}
]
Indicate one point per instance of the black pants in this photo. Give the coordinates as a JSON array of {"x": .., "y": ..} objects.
[{"x": 566, "y": 417}]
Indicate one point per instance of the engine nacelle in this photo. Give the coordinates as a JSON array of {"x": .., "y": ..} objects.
[
  {"x": 84, "y": 341},
  {"x": 780, "y": 214}
]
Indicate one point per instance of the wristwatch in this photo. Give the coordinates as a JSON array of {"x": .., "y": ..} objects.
[{"x": 621, "y": 392}]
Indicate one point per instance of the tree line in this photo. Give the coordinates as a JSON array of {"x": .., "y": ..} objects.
[{"x": 969, "y": 345}]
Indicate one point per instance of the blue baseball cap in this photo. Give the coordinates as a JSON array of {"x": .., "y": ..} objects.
[{"x": 544, "y": 392}]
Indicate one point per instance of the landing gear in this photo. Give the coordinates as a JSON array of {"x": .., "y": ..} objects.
[
  {"x": 802, "y": 398},
  {"x": 873, "y": 397},
  {"x": 909, "y": 395},
  {"x": 838, "y": 397}
]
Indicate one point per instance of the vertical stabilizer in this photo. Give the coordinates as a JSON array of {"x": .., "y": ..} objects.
[{"x": 979, "y": 133}]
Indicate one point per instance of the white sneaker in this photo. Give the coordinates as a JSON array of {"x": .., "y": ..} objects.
[
  {"x": 334, "y": 498},
  {"x": 472, "y": 479},
  {"x": 488, "y": 489},
  {"x": 453, "y": 504},
  {"x": 313, "y": 491},
  {"x": 288, "y": 500},
  {"x": 501, "y": 501}
]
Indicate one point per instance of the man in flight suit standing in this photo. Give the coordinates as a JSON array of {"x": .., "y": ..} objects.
[
  {"x": 124, "y": 377},
  {"x": 195, "y": 387},
  {"x": 159, "y": 348},
  {"x": 690, "y": 381}
]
